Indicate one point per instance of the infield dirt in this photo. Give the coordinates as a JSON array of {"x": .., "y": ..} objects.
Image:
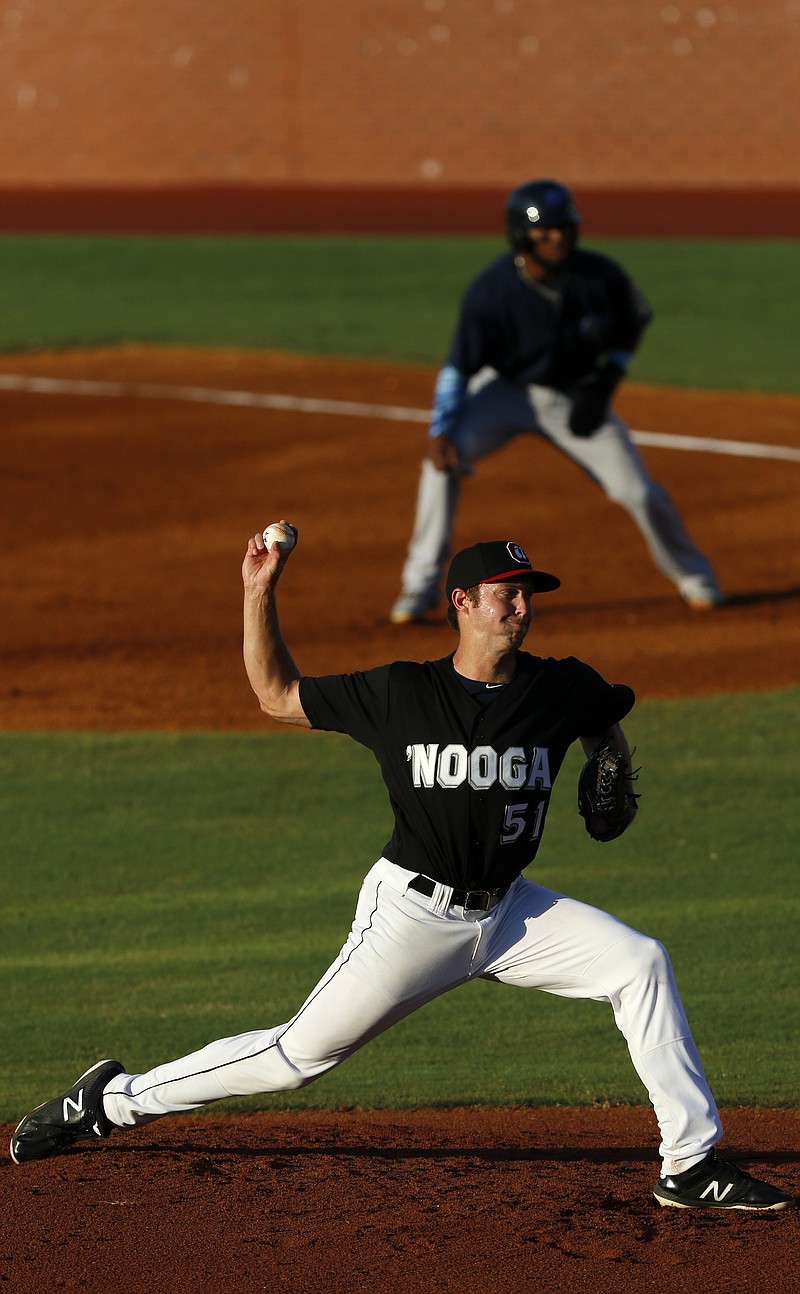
[
  {"x": 123, "y": 534},
  {"x": 125, "y": 528}
]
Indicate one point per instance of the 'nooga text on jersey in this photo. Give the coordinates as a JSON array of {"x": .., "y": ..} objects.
[{"x": 453, "y": 765}]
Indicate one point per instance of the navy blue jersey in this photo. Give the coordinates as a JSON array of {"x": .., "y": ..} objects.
[
  {"x": 469, "y": 783},
  {"x": 548, "y": 336}
]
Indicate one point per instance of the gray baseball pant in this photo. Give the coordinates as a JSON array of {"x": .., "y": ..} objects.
[{"x": 496, "y": 410}]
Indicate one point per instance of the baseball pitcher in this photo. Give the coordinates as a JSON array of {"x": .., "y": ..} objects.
[{"x": 469, "y": 748}]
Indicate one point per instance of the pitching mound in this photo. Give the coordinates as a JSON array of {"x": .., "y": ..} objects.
[{"x": 444, "y": 1200}]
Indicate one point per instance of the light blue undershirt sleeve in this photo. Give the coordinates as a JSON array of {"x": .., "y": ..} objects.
[{"x": 448, "y": 397}]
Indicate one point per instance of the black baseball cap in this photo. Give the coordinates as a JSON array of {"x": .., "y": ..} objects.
[{"x": 492, "y": 563}]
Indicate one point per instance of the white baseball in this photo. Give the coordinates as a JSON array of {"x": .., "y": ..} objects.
[{"x": 280, "y": 535}]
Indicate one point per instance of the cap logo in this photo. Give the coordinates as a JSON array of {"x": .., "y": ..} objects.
[
  {"x": 518, "y": 554},
  {"x": 532, "y": 213}
]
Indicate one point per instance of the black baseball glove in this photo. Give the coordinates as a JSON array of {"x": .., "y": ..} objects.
[
  {"x": 606, "y": 801},
  {"x": 591, "y": 399}
]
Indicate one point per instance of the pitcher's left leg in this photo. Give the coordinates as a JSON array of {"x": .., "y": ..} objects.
[
  {"x": 397, "y": 956},
  {"x": 548, "y": 941}
]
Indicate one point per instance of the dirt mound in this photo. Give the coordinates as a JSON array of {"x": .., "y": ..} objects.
[{"x": 498, "y": 1201}]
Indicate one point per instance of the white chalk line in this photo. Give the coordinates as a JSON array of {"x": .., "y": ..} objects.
[{"x": 347, "y": 408}]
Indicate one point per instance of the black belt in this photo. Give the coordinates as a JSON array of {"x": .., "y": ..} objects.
[{"x": 469, "y": 900}]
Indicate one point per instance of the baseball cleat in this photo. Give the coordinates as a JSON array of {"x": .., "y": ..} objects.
[
  {"x": 76, "y": 1115},
  {"x": 716, "y": 1184},
  {"x": 702, "y": 595},
  {"x": 410, "y": 608}
]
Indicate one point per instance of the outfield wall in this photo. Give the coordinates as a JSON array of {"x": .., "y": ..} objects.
[
  {"x": 310, "y": 209},
  {"x": 460, "y": 94}
]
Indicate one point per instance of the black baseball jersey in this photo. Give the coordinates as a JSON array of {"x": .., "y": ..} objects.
[
  {"x": 469, "y": 783},
  {"x": 548, "y": 336}
]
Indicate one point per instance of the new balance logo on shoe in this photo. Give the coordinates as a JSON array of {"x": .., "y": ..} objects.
[
  {"x": 713, "y": 1189},
  {"x": 77, "y": 1106}
]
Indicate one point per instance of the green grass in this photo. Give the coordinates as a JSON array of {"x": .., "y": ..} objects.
[
  {"x": 726, "y": 311},
  {"x": 161, "y": 890}
]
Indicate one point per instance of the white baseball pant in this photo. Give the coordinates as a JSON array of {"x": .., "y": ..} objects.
[{"x": 404, "y": 950}]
